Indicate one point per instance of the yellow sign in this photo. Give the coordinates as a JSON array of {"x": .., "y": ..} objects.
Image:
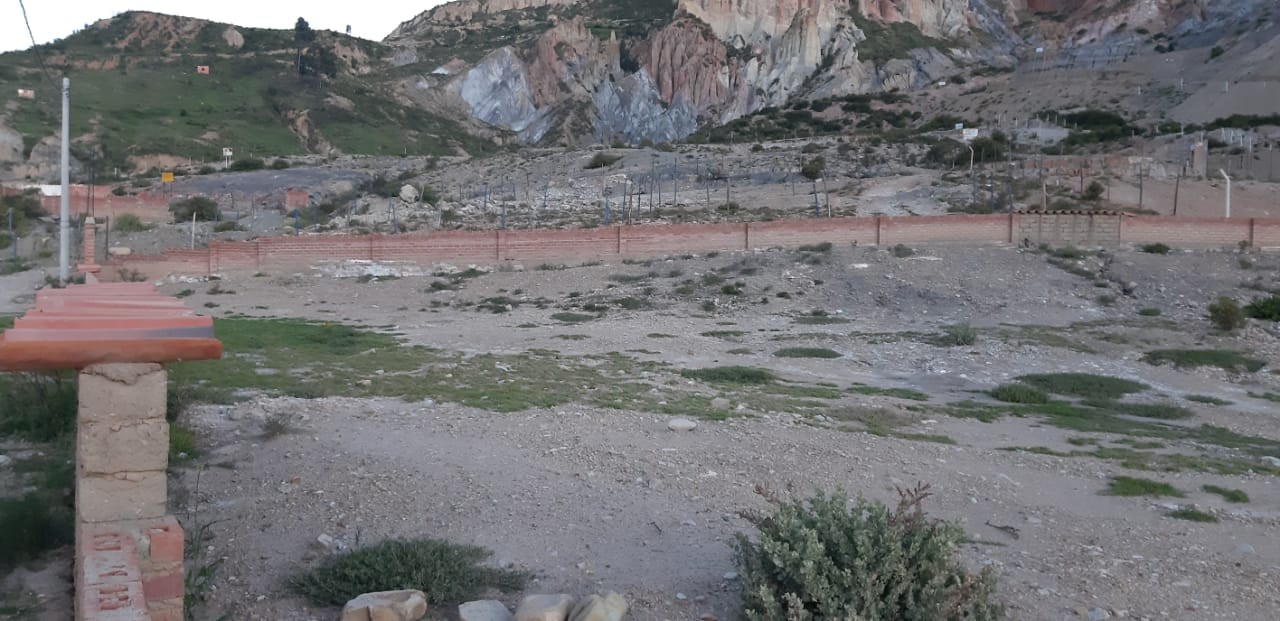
[{"x": 166, "y": 177}]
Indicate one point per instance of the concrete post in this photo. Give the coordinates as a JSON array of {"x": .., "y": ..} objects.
[{"x": 128, "y": 551}]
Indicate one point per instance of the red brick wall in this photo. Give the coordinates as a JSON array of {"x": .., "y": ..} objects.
[{"x": 275, "y": 254}]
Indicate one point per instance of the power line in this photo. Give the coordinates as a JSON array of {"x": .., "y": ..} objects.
[{"x": 34, "y": 47}]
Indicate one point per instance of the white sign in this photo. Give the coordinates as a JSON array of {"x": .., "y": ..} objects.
[
  {"x": 970, "y": 134},
  {"x": 959, "y": 126},
  {"x": 1039, "y": 50},
  {"x": 226, "y": 151}
]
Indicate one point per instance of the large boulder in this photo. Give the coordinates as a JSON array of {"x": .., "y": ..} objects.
[
  {"x": 611, "y": 607},
  {"x": 386, "y": 606},
  {"x": 484, "y": 610},
  {"x": 544, "y": 608}
]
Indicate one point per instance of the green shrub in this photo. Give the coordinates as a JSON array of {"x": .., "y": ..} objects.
[
  {"x": 819, "y": 247},
  {"x": 38, "y": 406},
  {"x": 602, "y": 160},
  {"x": 573, "y": 317},
  {"x": 1156, "y": 248},
  {"x": 813, "y": 168},
  {"x": 1019, "y": 393},
  {"x": 33, "y": 523},
  {"x": 226, "y": 226},
  {"x": 959, "y": 335},
  {"x": 1216, "y": 52},
  {"x": 1149, "y": 312},
  {"x": 1226, "y": 314},
  {"x": 1135, "y": 486},
  {"x": 280, "y": 164},
  {"x": 1083, "y": 385},
  {"x": 1192, "y": 514},
  {"x": 1228, "y": 494},
  {"x": 1224, "y": 359},
  {"x": 1266, "y": 309},
  {"x": 902, "y": 251},
  {"x": 247, "y": 164},
  {"x": 828, "y": 559},
  {"x": 731, "y": 375},
  {"x": 806, "y": 352},
  {"x": 129, "y": 223},
  {"x": 205, "y": 209},
  {"x": 448, "y": 572}
]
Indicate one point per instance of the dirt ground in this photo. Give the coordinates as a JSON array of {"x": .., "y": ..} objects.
[{"x": 592, "y": 498}]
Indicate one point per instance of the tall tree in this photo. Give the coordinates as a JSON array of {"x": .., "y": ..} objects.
[{"x": 302, "y": 35}]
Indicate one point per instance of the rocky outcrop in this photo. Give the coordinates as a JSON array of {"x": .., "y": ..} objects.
[
  {"x": 463, "y": 12},
  {"x": 497, "y": 91}
]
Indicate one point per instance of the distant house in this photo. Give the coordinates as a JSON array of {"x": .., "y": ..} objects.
[
  {"x": 26, "y": 93},
  {"x": 202, "y": 69}
]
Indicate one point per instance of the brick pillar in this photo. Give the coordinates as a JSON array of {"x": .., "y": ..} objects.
[
  {"x": 89, "y": 257},
  {"x": 128, "y": 551},
  {"x": 122, "y": 443}
]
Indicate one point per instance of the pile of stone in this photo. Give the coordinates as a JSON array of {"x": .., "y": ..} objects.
[{"x": 412, "y": 605}]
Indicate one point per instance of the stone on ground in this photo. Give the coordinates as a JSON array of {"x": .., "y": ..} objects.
[
  {"x": 484, "y": 610},
  {"x": 681, "y": 424},
  {"x": 386, "y": 606},
  {"x": 611, "y": 607},
  {"x": 544, "y": 608}
]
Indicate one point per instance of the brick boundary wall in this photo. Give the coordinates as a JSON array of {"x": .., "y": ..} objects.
[{"x": 551, "y": 245}]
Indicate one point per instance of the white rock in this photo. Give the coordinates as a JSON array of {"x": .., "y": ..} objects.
[
  {"x": 386, "y": 606},
  {"x": 5, "y": 459},
  {"x": 730, "y": 575},
  {"x": 681, "y": 424},
  {"x": 484, "y": 610},
  {"x": 611, "y": 607},
  {"x": 720, "y": 403},
  {"x": 544, "y": 608}
]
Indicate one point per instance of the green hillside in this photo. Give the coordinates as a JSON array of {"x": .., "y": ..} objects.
[{"x": 135, "y": 91}]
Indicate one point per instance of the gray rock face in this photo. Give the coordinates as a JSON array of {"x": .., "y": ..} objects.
[
  {"x": 632, "y": 108},
  {"x": 10, "y": 145},
  {"x": 497, "y": 90},
  {"x": 611, "y": 607}
]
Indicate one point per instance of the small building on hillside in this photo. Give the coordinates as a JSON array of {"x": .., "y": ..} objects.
[{"x": 202, "y": 69}]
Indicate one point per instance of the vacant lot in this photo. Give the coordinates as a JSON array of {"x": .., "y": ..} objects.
[{"x": 1101, "y": 442}]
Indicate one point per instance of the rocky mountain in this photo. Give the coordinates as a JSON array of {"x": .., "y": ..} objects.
[
  {"x": 469, "y": 76},
  {"x": 601, "y": 70}
]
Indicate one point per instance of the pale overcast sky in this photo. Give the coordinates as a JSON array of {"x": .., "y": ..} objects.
[{"x": 54, "y": 19}]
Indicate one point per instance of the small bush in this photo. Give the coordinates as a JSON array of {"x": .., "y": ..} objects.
[
  {"x": 1156, "y": 248},
  {"x": 959, "y": 335},
  {"x": 129, "y": 223},
  {"x": 449, "y": 572},
  {"x": 730, "y": 375},
  {"x": 821, "y": 247},
  {"x": 247, "y": 164},
  {"x": 1207, "y": 400},
  {"x": 1149, "y": 312},
  {"x": 37, "y": 406},
  {"x": 1229, "y": 495},
  {"x": 573, "y": 317},
  {"x": 1226, "y": 314},
  {"x": 1266, "y": 309},
  {"x": 806, "y": 352},
  {"x": 602, "y": 160},
  {"x": 1192, "y": 514},
  {"x": 1224, "y": 359},
  {"x": 226, "y": 226},
  {"x": 280, "y": 164},
  {"x": 902, "y": 251},
  {"x": 182, "y": 443},
  {"x": 205, "y": 209},
  {"x": 33, "y": 523},
  {"x": 1019, "y": 393},
  {"x": 1134, "y": 486},
  {"x": 1083, "y": 385},
  {"x": 1216, "y": 52},
  {"x": 1068, "y": 252},
  {"x": 827, "y": 558}
]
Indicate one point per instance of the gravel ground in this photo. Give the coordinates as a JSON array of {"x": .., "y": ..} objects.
[{"x": 591, "y": 498}]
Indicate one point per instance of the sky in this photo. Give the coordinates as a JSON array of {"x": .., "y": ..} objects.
[{"x": 55, "y": 19}]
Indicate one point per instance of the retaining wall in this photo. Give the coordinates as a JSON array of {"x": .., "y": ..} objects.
[{"x": 546, "y": 245}]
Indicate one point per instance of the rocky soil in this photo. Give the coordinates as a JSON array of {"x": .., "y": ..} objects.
[{"x": 592, "y": 498}]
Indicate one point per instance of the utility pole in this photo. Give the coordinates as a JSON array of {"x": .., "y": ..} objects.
[
  {"x": 64, "y": 215},
  {"x": 973, "y": 198},
  {"x": 1140, "y": 179},
  {"x": 1176, "y": 185},
  {"x": 1227, "y": 207}
]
